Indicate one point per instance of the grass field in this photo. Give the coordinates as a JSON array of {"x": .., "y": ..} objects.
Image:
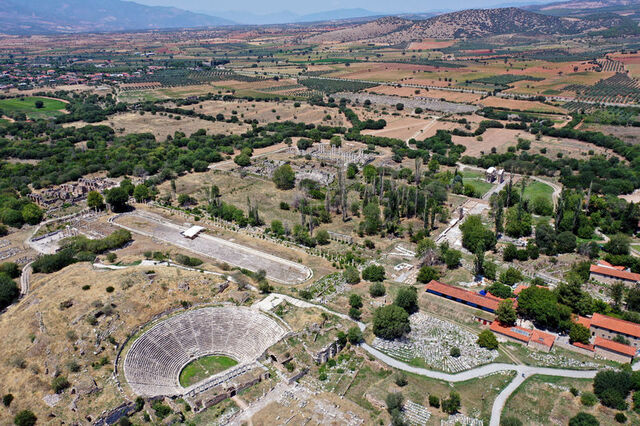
[
  {"x": 50, "y": 107},
  {"x": 538, "y": 189},
  {"x": 553, "y": 402},
  {"x": 205, "y": 367}
]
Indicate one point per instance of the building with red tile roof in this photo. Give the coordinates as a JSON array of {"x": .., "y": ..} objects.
[
  {"x": 609, "y": 265},
  {"x": 519, "y": 289},
  {"x": 535, "y": 339},
  {"x": 611, "y": 274},
  {"x": 587, "y": 347},
  {"x": 614, "y": 350},
  {"x": 608, "y": 327},
  {"x": 584, "y": 321},
  {"x": 460, "y": 295}
]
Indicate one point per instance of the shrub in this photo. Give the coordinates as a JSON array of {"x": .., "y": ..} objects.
[
  {"x": 428, "y": 273},
  {"x": 574, "y": 391},
  {"x": 9, "y": 291},
  {"x": 7, "y": 399},
  {"x": 487, "y": 340},
  {"x": 583, "y": 419},
  {"x": 377, "y": 290},
  {"x": 10, "y": 269},
  {"x": 322, "y": 237},
  {"x": 401, "y": 379},
  {"x": 454, "y": 352},
  {"x": 434, "y": 401},
  {"x": 355, "y": 314},
  {"x": 620, "y": 417},
  {"x": 264, "y": 287},
  {"x": 354, "y": 335},
  {"x": 59, "y": 384},
  {"x": 351, "y": 275},
  {"x": 588, "y": 399},
  {"x": 394, "y": 401},
  {"x": 374, "y": 273},
  {"x": 139, "y": 404},
  {"x": 25, "y": 418},
  {"x": 110, "y": 289},
  {"x": 452, "y": 404},
  {"x": 161, "y": 409}
]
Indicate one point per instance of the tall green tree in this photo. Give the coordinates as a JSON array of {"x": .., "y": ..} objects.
[{"x": 284, "y": 177}]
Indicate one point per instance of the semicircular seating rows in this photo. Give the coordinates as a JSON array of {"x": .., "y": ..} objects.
[{"x": 153, "y": 363}]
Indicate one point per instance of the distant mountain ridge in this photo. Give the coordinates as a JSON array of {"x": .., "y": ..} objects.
[
  {"x": 286, "y": 17},
  {"x": 471, "y": 23},
  {"x": 73, "y": 16}
]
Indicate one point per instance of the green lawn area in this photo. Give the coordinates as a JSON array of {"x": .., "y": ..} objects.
[
  {"x": 202, "y": 368},
  {"x": 479, "y": 185},
  {"x": 476, "y": 180},
  {"x": 537, "y": 189},
  {"x": 27, "y": 105}
]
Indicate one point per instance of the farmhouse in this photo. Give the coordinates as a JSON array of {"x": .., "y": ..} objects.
[
  {"x": 534, "y": 339},
  {"x": 608, "y": 273},
  {"x": 466, "y": 297}
]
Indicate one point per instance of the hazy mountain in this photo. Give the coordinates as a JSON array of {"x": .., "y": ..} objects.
[
  {"x": 585, "y": 8},
  {"x": 378, "y": 28},
  {"x": 70, "y": 16},
  {"x": 286, "y": 17}
]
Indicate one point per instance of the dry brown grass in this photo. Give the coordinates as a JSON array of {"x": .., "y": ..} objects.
[
  {"x": 493, "y": 101},
  {"x": 45, "y": 337},
  {"x": 431, "y": 93},
  {"x": 161, "y": 125},
  {"x": 267, "y": 112}
]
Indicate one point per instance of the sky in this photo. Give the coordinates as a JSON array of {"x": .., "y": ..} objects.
[{"x": 301, "y": 7}]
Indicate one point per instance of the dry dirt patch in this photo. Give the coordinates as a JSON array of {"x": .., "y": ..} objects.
[
  {"x": 161, "y": 126},
  {"x": 495, "y": 102}
]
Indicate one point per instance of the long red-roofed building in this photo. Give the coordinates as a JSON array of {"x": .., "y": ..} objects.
[
  {"x": 613, "y": 350},
  {"x": 607, "y": 273},
  {"x": 608, "y": 327},
  {"x": 469, "y": 298}
]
